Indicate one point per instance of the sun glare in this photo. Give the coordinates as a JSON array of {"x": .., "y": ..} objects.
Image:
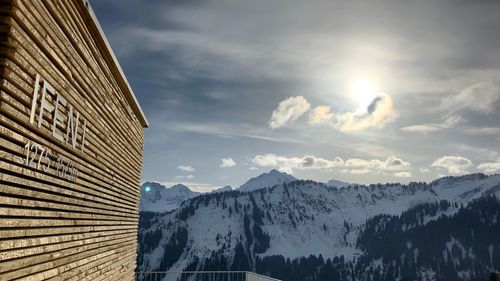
[{"x": 364, "y": 92}]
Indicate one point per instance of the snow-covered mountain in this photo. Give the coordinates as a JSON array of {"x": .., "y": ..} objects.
[
  {"x": 223, "y": 189},
  {"x": 318, "y": 231},
  {"x": 274, "y": 177},
  {"x": 337, "y": 183},
  {"x": 155, "y": 197}
]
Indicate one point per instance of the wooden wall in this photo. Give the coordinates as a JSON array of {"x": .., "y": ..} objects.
[{"x": 54, "y": 226}]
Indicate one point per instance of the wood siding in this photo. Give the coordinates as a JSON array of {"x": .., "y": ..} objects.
[{"x": 54, "y": 226}]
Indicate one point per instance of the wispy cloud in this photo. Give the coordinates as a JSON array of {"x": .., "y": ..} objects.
[
  {"x": 484, "y": 131},
  {"x": 481, "y": 97},
  {"x": 288, "y": 111},
  {"x": 231, "y": 130},
  {"x": 449, "y": 122},
  {"x": 422, "y": 128},
  {"x": 185, "y": 168},
  {"x": 185, "y": 177},
  {"x": 486, "y": 154},
  {"x": 199, "y": 54}
]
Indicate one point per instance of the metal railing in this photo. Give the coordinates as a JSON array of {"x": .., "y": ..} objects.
[{"x": 202, "y": 276}]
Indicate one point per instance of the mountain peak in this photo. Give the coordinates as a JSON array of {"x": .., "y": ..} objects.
[
  {"x": 180, "y": 187},
  {"x": 155, "y": 197},
  {"x": 275, "y": 172},
  {"x": 269, "y": 179}
]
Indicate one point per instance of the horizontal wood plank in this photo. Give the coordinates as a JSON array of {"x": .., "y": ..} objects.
[{"x": 69, "y": 182}]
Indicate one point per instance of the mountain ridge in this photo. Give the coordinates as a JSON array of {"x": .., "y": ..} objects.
[
  {"x": 292, "y": 220},
  {"x": 155, "y": 197}
]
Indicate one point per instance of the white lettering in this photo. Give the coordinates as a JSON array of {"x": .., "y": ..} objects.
[
  {"x": 58, "y": 118},
  {"x": 45, "y": 105},
  {"x": 64, "y": 116},
  {"x": 72, "y": 127},
  {"x": 35, "y": 98},
  {"x": 84, "y": 134}
]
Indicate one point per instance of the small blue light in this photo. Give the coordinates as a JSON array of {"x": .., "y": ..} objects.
[{"x": 148, "y": 189}]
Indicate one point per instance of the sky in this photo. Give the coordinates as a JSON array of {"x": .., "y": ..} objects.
[{"x": 358, "y": 91}]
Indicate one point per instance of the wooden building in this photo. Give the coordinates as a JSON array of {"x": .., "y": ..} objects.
[{"x": 71, "y": 145}]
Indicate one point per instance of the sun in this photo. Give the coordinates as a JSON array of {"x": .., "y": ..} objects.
[{"x": 363, "y": 91}]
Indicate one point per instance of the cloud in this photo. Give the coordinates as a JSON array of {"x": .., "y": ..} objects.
[
  {"x": 378, "y": 113},
  {"x": 228, "y": 130},
  {"x": 391, "y": 164},
  {"x": 488, "y": 155},
  {"x": 227, "y": 162},
  {"x": 287, "y": 164},
  {"x": 185, "y": 177},
  {"x": 403, "y": 174},
  {"x": 422, "y": 128},
  {"x": 320, "y": 114},
  {"x": 484, "y": 131},
  {"x": 489, "y": 167},
  {"x": 353, "y": 166},
  {"x": 452, "y": 121},
  {"x": 357, "y": 171},
  {"x": 480, "y": 97},
  {"x": 288, "y": 111},
  {"x": 253, "y": 168},
  {"x": 193, "y": 40},
  {"x": 454, "y": 164},
  {"x": 197, "y": 53},
  {"x": 185, "y": 168},
  {"x": 449, "y": 122}
]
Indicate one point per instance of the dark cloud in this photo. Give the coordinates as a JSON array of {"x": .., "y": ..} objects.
[{"x": 373, "y": 105}]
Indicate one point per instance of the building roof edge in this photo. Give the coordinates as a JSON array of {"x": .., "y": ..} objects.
[{"x": 129, "y": 93}]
